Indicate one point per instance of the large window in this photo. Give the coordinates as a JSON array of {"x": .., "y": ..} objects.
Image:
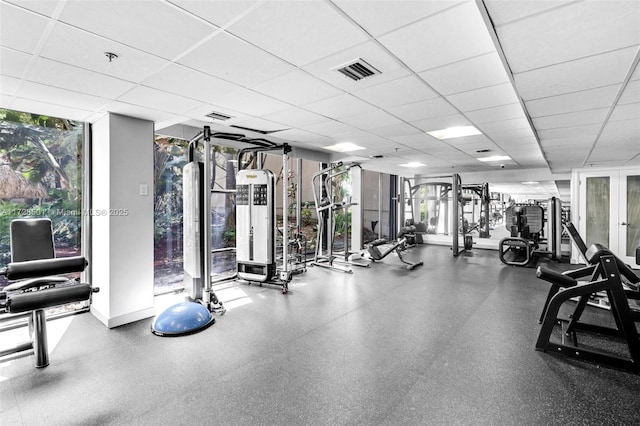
[
  {"x": 41, "y": 176},
  {"x": 170, "y": 157}
]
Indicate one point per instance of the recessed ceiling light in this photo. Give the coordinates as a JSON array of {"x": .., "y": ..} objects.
[
  {"x": 455, "y": 132},
  {"x": 413, "y": 164},
  {"x": 344, "y": 147},
  {"x": 530, "y": 182},
  {"x": 494, "y": 158}
]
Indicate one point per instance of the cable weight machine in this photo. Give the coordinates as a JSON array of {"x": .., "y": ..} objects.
[
  {"x": 256, "y": 247},
  {"x": 326, "y": 209}
]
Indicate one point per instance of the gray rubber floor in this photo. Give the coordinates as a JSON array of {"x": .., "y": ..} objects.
[{"x": 451, "y": 342}]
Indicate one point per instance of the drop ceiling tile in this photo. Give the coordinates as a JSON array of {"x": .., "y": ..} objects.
[
  {"x": 402, "y": 91},
  {"x": 371, "y": 120},
  {"x": 625, "y": 112},
  {"x": 8, "y": 85},
  {"x": 187, "y": 82},
  {"x": 13, "y": 63},
  {"x": 42, "y": 7},
  {"x": 36, "y": 106},
  {"x": 469, "y": 74},
  {"x": 631, "y": 93},
  {"x": 564, "y": 132},
  {"x": 575, "y": 141},
  {"x": 499, "y": 113},
  {"x": 385, "y": 15},
  {"x": 262, "y": 125},
  {"x": 621, "y": 133},
  {"x": 572, "y": 102},
  {"x": 48, "y": 72},
  {"x": 200, "y": 113},
  {"x": 319, "y": 30},
  {"x": 486, "y": 97},
  {"x": 504, "y": 126},
  {"x": 393, "y": 130},
  {"x": 503, "y": 12},
  {"x": 83, "y": 50},
  {"x": 295, "y": 117},
  {"x": 575, "y": 31},
  {"x": 591, "y": 116},
  {"x": 153, "y": 27},
  {"x": 581, "y": 74},
  {"x": 137, "y": 111},
  {"x": 328, "y": 128},
  {"x": 370, "y": 52},
  {"x": 219, "y": 12},
  {"x": 250, "y": 102},
  {"x": 297, "y": 87},
  {"x": 54, "y": 95},
  {"x": 340, "y": 106},
  {"x": 432, "y": 108},
  {"x": 13, "y": 22},
  {"x": 304, "y": 136},
  {"x": 157, "y": 99},
  {"x": 455, "y": 34},
  {"x": 440, "y": 123}
]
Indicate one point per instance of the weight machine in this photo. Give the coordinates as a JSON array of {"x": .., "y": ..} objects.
[
  {"x": 326, "y": 208},
  {"x": 255, "y": 223}
]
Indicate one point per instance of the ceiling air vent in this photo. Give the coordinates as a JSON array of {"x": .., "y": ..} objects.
[
  {"x": 219, "y": 116},
  {"x": 357, "y": 70}
]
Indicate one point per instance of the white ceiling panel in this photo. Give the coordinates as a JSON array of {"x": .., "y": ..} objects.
[
  {"x": 620, "y": 133},
  {"x": 505, "y": 11},
  {"x": 390, "y": 14},
  {"x": 394, "y": 130},
  {"x": 234, "y": 60},
  {"x": 45, "y": 71},
  {"x": 13, "y": 63},
  {"x": 499, "y": 113},
  {"x": 84, "y": 50},
  {"x": 571, "y": 102},
  {"x": 261, "y": 124},
  {"x": 251, "y": 103},
  {"x": 625, "y": 112},
  {"x": 568, "y": 141},
  {"x": 137, "y": 111},
  {"x": 436, "y": 107},
  {"x": 455, "y": 34},
  {"x": 12, "y": 30},
  {"x": 371, "y": 120},
  {"x": 165, "y": 32},
  {"x": 51, "y": 109},
  {"x": 190, "y": 83},
  {"x": 157, "y": 99},
  {"x": 575, "y": 31},
  {"x": 631, "y": 93},
  {"x": 297, "y": 87},
  {"x": 42, "y": 7},
  {"x": 505, "y": 126},
  {"x": 218, "y": 12},
  {"x": 480, "y": 71},
  {"x": 340, "y": 106},
  {"x": 402, "y": 91},
  {"x": 319, "y": 30},
  {"x": 595, "y": 71},
  {"x": 54, "y": 95},
  {"x": 565, "y": 132},
  {"x": 9, "y": 85},
  {"x": 571, "y": 119},
  {"x": 440, "y": 123},
  {"x": 327, "y": 128},
  {"x": 486, "y": 97},
  {"x": 295, "y": 117}
]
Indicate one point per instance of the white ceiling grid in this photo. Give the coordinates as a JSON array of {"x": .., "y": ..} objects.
[{"x": 270, "y": 64}]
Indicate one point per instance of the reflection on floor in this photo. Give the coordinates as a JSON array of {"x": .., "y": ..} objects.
[{"x": 450, "y": 342}]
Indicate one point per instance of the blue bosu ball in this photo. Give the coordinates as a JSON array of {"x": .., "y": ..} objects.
[{"x": 181, "y": 319}]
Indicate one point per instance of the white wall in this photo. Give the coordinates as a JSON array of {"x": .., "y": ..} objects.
[{"x": 122, "y": 243}]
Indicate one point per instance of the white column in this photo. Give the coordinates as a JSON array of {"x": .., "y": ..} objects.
[{"x": 122, "y": 228}]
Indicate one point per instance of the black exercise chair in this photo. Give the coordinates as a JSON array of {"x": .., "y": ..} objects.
[
  {"x": 381, "y": 248},
  {"x": 33, "y": 262}
]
